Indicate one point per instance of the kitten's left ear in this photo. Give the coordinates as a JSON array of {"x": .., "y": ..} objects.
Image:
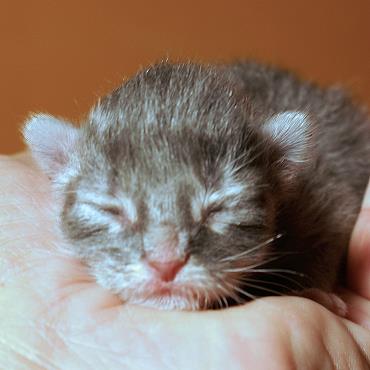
[
  {"x": 292, "y": 133},
  {"x": 51, "y": 142}
]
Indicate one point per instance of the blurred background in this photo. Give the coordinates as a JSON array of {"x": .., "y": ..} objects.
[{"x": 59, "y": 56}]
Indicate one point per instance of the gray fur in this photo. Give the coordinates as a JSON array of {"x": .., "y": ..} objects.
[{"x": 177, "y": 131}]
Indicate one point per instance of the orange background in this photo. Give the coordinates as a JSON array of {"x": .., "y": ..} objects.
[{"x": 58, "y": 56}]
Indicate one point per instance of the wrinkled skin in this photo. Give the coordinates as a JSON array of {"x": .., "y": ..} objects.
[{"x": 53, "y": 316}]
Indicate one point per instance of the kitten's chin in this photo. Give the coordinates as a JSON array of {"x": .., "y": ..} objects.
[{"x": 169, "y": 302}]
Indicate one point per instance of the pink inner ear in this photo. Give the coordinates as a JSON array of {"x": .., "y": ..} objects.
[{"x": 51, "y": 142}]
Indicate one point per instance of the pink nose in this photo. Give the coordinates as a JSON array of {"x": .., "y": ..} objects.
[{"x": 167, "y": 270}]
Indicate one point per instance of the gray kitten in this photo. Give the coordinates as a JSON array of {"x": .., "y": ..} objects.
[{"x": 194, "y": 186}]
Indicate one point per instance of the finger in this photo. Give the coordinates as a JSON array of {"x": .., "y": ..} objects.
[
  {"x": 358, "y": 308},
  {"x": 361, "y": 337},
  {"x": 359, "y": 251}
]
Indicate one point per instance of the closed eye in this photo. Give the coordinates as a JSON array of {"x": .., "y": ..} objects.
[
  {"x": 249, "y": 227},
  {"x": 109, "y": 209},
  {"x": 122, "y": 208},
  {"x": 224, "y": 219},
  {"x": 116, "y": 212},
  {"x": 112, "y": 210},
  {"x": 211, "y": 211}
]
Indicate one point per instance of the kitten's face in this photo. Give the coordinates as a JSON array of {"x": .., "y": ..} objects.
[
  {"x": 168, "y": 187},
  {"x": 214, "y": 222}
]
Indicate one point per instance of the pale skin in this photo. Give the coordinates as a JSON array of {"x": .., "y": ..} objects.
[{"x": 54, "y": 316}]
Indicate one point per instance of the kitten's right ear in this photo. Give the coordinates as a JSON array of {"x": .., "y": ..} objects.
[{"x": 51, "y": 142}]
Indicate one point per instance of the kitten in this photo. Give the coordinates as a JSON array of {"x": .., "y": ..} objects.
[{"x": 195, "y": 186}]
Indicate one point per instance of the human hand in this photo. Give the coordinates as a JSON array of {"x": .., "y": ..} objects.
[{"x": 54, "y": 316}]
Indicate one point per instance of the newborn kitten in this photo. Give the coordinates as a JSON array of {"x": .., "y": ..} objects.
[{"x": 195, "y": 186}]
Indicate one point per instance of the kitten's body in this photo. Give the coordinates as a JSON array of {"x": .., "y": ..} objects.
[{"x": 203, "y": 168}]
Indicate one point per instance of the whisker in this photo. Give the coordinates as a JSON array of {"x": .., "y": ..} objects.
[
  {"x": 275, "y": 253},
  {"x": 280, "y": 274},
  {"x": 249, "y": 251},
  {"x": 226, "y": 293},
  {"x": 248, "y": 279},
  {"x": 197, "y": 295},
  {"x": 241, "y": 291},
  {"x": 269, "y": 255},
  {"x": 225, "y": 301},
  {"x": 264, "y": 288},
  {"x": 281, "y": 270},
  {"x": 206, "y": 297},
  {"x": 190, "y": 298},
  {"x": 251, "y": 267},
  {"x": 219, "y": 301},
  {"x": 233, "y": 295}
]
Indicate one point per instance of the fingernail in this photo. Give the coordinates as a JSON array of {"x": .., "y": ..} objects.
[{"x": 366, "y": 201}]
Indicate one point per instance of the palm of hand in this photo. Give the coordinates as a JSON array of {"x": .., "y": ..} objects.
[{"x": 53, "y": 316}]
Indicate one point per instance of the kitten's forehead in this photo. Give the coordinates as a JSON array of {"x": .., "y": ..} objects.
[
  {"x": 188, "y": 192},
  {"x": 168, "y": 200}
]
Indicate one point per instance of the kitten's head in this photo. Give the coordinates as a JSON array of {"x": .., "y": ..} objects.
[{"x": 171, "y": 187}]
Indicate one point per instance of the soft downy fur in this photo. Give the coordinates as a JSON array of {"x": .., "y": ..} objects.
[{"x": 251, "y": 176}]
